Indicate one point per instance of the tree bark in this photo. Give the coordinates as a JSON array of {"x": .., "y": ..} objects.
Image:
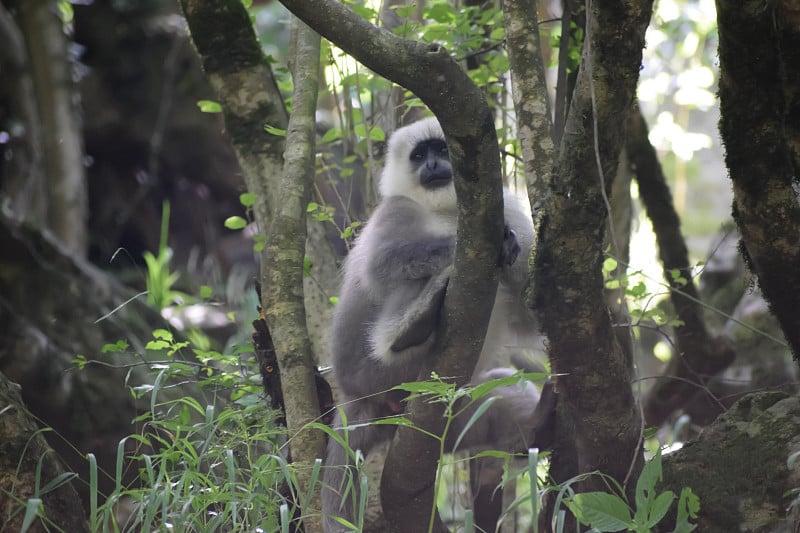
[
  {"x": 758, "y": 88},
  {"x": 61, "y": 129},
  {"x": 25, "y": 184},
  {"x": 27, "y": 466},
  {"x": 76, "y": 310},
  {"x": 740, "y": 467},
  {"x": 282, "y": 270},
  {"x": 596, "y": 409},
  {"x": 242, "y": 77},
  {"x": 529, "y": 91},
  {"x": 438, "y": 80}
]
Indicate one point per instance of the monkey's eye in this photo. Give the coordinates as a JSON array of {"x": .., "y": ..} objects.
[{"x": 417, "y": 155}]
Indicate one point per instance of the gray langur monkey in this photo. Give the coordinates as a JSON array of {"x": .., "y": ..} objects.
[{"x": 385, "y": 321}]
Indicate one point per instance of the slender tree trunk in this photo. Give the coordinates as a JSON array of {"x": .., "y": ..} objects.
[
  {"x": 282, "y": 270},
  {"x": 61, "y": 129},
  {"x": 698, "y": 357}
]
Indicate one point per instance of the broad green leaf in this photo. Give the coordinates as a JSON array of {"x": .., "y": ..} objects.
[
  {"x": 235, "y": 222},
  {"x": 119, "y": 346},
  {"x": 603, "y": 511},
  {"x": 247, "y": 199},
  {"x": 209, "y": 106},
  {"x": 331, "y": 135},
  {"x": 659, "y": 508},
  {"x": 651, "y": 473}
]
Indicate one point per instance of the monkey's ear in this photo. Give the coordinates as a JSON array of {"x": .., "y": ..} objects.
[{"x": 544, "y": 417}]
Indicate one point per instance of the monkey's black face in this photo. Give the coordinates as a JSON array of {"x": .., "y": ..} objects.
[{"x": 429, "y": 159}]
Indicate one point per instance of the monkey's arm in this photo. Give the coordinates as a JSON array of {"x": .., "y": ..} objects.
[
  {"x": 420, "y": 320},
  {"x": 422, "y": 317}
]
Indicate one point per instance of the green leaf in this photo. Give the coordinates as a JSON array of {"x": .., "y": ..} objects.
[
  {"x": 247, "y": 199},
  {"x": 161, "y": 333},
  {"x": 497, "y": 33},
  {"x": 235, "y": 222},
  {"x": 651, "y": 473},
  {"x": 156, "y": 345},
  {"x": 441, "y": 12},
  {"x": 376, "y": 133},
  {"x": 364, "y": 12},
  {"x": 209, "y": 106},
  {"x": 659, "y": 508},
  {"x": 272, "y": 130},
  {"x": 603, "y": 511},
  {"x": 688, "y": 507},
  {"x": 119, "y": 346},
  {"x": 206, "y": 291},
  {"x": 33, "y": 509},
  {"x": 331, "y": 135},
  {"x": 404, "y": 11},
  {"x": 80, "y": 361},
  {"x": 437, "y": 388},
  {"x": 609, "y": 264}
]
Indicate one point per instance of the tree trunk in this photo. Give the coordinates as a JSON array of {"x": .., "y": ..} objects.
[
  {"x": 61, "y": 129},
  {"x": 596, "y": 409},
  {"x": 698, "y": 357},
  {"x": 758, "y": 87},
  {"x": 282, "y": 270},
  {"x": 24, "y": 182},
  {"x": 27, "y": 468}
]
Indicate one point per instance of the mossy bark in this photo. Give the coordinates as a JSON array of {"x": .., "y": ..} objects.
[
  {"x": 27, "y": 464},
  {"x": 738, "y": 466}
]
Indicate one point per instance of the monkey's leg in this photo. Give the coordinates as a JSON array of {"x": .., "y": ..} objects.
[
  {"x": 485, "y": 475},
  {"x": 340, "y": 477}
]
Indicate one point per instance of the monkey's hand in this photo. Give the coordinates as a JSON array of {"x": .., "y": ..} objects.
[{"x": 511, "y": 247}]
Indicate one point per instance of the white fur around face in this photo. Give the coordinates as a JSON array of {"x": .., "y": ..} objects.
[{"x": 398, "y": 178}]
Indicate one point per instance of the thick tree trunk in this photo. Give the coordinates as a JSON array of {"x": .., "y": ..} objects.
[
  {"x": 247, "y": 90},
  {"x": 596, "y": 409},
  {"x": 27, "y": 468},
  {"x": 434, "y": 76},
  {"x": 24, "y": 183},
  {"x": 758, "y": 88}
]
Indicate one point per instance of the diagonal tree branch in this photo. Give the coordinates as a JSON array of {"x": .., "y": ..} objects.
[
  {"x": 699, "y": 356},
  {"x": 436, "y": 78}
]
